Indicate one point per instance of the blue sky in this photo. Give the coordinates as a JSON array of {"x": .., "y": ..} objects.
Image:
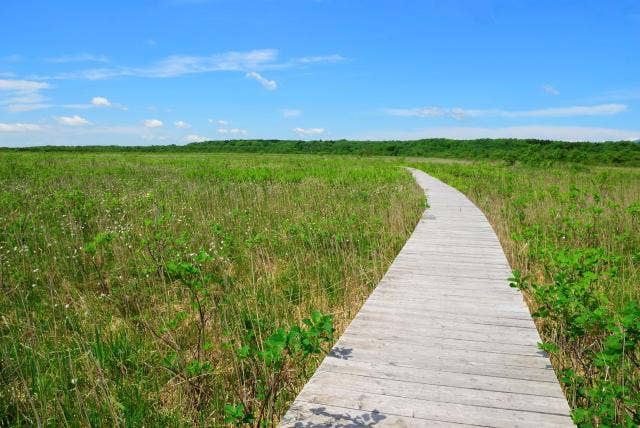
[{"x": 176, "y": 71}]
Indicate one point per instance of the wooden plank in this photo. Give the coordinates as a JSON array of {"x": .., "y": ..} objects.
[
  {"x": 442, "y": 341},
  {"x": 445, "y": 394},
  {"x": 426, "y": 334},
  {"x": 431, "y": 410},
  {"x": 437, "y": 315},
  {"x": 323, "y": 416},
  {"x": 402, "y": 352},
  {"x": 438, "y": 377}
]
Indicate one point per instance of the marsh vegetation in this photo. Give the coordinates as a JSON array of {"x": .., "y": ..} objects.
[
  {"x": 171, "y": 290},
  {"x": 180, "y": 289}
]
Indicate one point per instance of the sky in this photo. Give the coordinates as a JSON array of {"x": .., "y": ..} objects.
[{"x": 177, "y": 71}]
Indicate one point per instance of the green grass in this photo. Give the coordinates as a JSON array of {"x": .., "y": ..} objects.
[
  {"x": 107, "y": 262},
  {"x": 572, "y": 233}
]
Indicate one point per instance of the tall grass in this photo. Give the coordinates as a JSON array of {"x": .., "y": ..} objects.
[
  {"x": 129, "y": 283},
  {"x": 572, "y": 234}
]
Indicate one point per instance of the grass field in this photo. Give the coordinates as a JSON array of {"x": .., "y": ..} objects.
[
  {"x": 147, "y": 290},
  {"x": 572, "y": 233},
  {"x": 150, "y": 289}
]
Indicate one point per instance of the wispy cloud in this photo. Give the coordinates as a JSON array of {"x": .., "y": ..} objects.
[
  {"x": 81, "y": 57},
  {"x": 308, "y": 131},
  {"x": 563, "y": 133},
  {"x": 266, "y": 83},
  {"x": 22, "y": 95},
  {"x": 72, "y": 120},
  {"x": 181, "y": 124},
  {"x": 194, "y": 138},
  {"x": 233, "y": 131},
  {"x": 220, "y": 122},
  {"x": 19, "y": 104},
  {"x": 462, "y": 113},
  {"x": 19, "y": 127},
  {"x": 321, "y": 58},
  {"x": 550, "y": 89},
  {"x": 22, "y": 85},
  {"x": 29, "y": 134},
  {"x": 289, "y": 112},
  {"x": 152, "y": 123},
  {"x": 178, "y": 65}
]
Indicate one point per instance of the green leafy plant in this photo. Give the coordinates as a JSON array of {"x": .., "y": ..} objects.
[{"x": 266, "y": 367}]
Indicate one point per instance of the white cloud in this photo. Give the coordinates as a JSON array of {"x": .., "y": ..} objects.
[
  {"x": 194, "y": 138},
  {"x": 248, "y": 62},
  {"x": 19, "y": 108},
  {"x": 231, "y": 61},
  {"x": 19, "y": 127},
  {"x": 82, "y": 57},
  {"x": 287, "y": 112},
  {"x": 266, "y": 83},
  {"x": 308, "y": 131},
  {"x": 563, "y": 133},
  {"x": 182, "y": 125},
  {"x": 425, "y": 112},
  {"x": 233, "y": 131},
  {"x": 152, "y": 123},
  {"x": 56, "y": 134},
  {"x": 219, "y": 122},
  {"x": 22, "y": 85},
  {"x": 72, "y": 120},
  {"x": 321, "y": 58},
  {"x": 550, "y": 89},
  {"x": 96, "y": 102},
  {"x": 23, "y": 95},
  {"x": 179, "y": 65},
  {"x": 460, "y": 113},
  {"x": 100, "y": 102},
  {"x": 594, "y": 110}
]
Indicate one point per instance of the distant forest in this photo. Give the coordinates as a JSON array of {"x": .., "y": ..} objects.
[{"x": 624, "y": 153}]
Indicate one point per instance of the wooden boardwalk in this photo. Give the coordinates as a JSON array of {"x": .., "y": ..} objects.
[{"x": 442, "y": 341}]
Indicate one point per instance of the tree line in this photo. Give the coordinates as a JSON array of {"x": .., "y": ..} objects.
[{"x": 623, "y": 153}]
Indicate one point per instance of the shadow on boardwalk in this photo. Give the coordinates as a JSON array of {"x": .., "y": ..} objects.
[
  {"x": 342, "y": 420},
  {"x": 341, "y": 352}
]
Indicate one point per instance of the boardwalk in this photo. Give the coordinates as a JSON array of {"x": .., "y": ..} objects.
[{"x": 442, "y": 341}]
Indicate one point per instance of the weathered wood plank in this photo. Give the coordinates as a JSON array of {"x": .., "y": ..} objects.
[
  {"x": 445, "y": 394},
  {"x": 310, "y": 415},
  {"x": 431, "y": 410},
  {"x": 445, "y": 378},
  {"x": 442, "y": 341}
]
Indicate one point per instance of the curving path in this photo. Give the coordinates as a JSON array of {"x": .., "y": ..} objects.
[{"x": 442, "y": 341}]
